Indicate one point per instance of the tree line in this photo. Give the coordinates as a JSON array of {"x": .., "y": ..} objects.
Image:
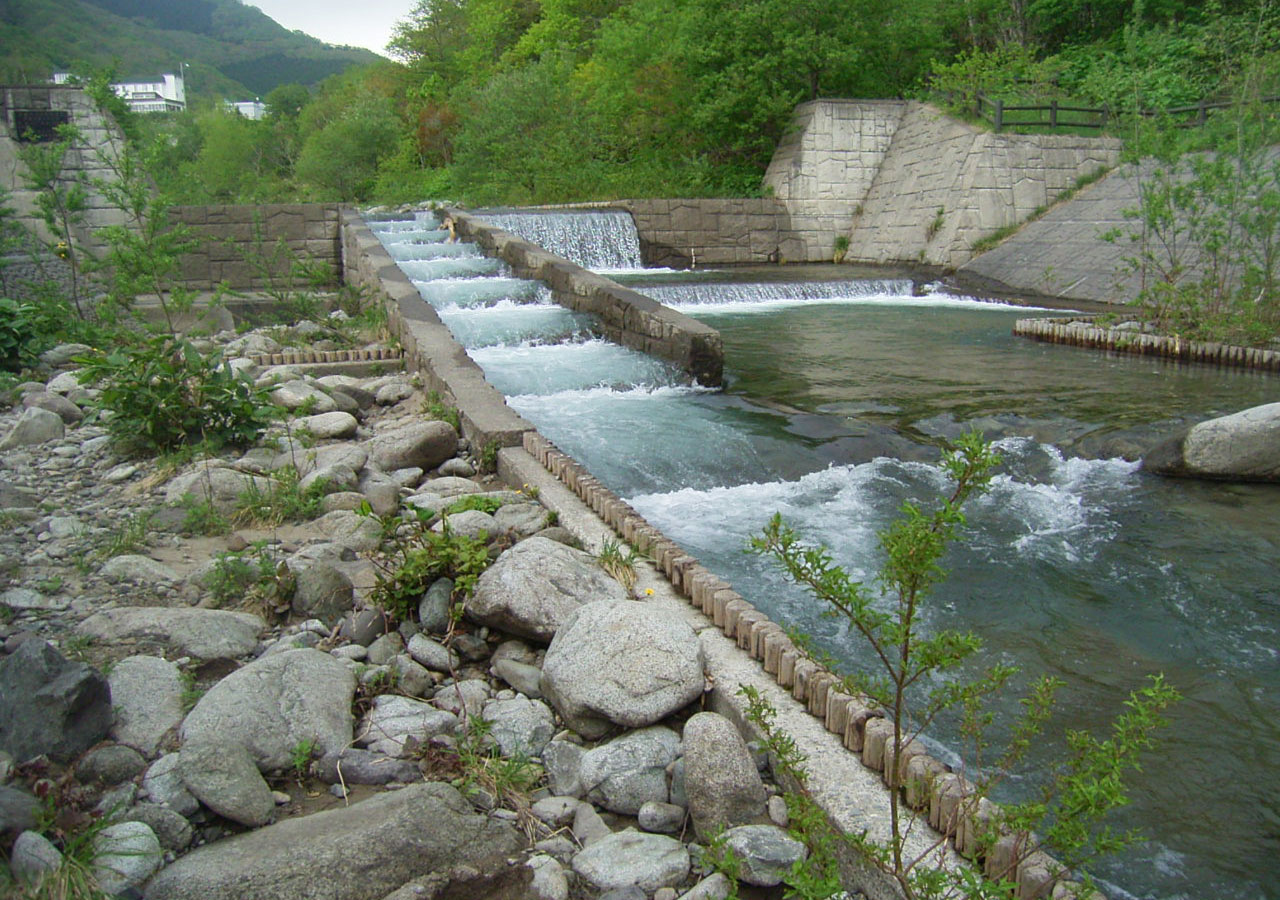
[{"x": 524, "y": 101}]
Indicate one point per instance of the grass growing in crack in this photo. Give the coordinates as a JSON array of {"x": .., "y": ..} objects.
[
  {"x": 131, "y": 536},
  {"x": 468, "y": 502},
  {"x": 620, "y": 566},
  {"x": 285, "y": 500},
  {"x": 435, "y": 407},
  {"x": 202, "y": 517}
]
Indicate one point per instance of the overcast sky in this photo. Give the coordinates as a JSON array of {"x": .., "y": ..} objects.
[{"x": 360, "y": 23}]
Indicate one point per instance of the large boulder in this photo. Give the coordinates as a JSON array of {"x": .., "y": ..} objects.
[
  {"x": 423, "y": 445},
  {"x": 536, "y": 585},
  {"x": 629, "y": 664},
  {"x": 201, "y": 633},
  {"x": 630, "y": 771},
  {"x": 721, "y": 781},
  {"x": 349, "y": 853},
  {"x": 34, "y": 426},
  {"x": 1244, "y": 446},
  {"x": 147, "y": 694},
  {"x": 648, "y": 861},
  {"x": 224, "y": 778},
  {"x": 50, "y": 704},
  {"x": 765, "y": 853},
  {"x": 276, "y": 703},
  {"x": 218, "y": 485}
]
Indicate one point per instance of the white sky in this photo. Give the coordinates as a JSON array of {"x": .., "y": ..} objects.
[{"x": 359, "y": 23}]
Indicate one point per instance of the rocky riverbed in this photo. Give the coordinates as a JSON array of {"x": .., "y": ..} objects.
[{"x": 233, "y": 716}]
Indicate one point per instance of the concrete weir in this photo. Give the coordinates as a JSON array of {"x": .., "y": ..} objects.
[
  {"x": 628, "y": 317},
  {"x": 846, "y": 740}
]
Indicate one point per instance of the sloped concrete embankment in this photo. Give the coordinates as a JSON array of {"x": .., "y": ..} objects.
[
  {"x": 846, "y": 739},
  {"x": 907, "y": 183}
]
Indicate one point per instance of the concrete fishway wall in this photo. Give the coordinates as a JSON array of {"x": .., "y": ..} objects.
[{"x": 906, "y": 183}]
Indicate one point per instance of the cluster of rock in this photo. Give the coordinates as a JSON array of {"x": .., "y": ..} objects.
[{"x": 326, "y": 755}]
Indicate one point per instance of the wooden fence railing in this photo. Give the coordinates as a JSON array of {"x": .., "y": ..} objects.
[{"x": 1056, "y": 115}]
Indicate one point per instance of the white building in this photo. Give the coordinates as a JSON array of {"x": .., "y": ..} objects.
[
  {"x": 169, "y": 94},
  {"x": 250, "y": 109}
]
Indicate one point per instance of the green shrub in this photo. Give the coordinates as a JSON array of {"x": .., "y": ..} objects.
[
  {"x": 166, "y": 394},
  {"x": 485, "y": 504},
  {"x": 284, "y": 501},
  {"x": 16, "y": 333},
  {"x": 420, "y": 557}
]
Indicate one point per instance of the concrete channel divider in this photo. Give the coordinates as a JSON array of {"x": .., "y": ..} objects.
[
  {"x": 847, "y": 741},
  {"x": 428, "y": 344},
  {"x": 628, "y": 317}
]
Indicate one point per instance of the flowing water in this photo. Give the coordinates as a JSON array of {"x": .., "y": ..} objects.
[{"x": 1076, "y": 564}]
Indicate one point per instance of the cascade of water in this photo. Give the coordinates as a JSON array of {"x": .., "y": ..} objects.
[{"x": 594, "y": 239}]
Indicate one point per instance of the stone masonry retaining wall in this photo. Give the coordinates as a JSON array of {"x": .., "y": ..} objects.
[
  {"x": 99, "y": 141},
  {"x": 713, "y": 232},
  {"x": 229, "y": 236},
  {"x": 628, "y": 317}
]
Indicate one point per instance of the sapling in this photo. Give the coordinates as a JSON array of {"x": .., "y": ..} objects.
[{"x": 916, "y": 679}]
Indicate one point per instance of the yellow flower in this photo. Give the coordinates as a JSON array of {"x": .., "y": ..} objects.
[{"x": 648, "y": 592}]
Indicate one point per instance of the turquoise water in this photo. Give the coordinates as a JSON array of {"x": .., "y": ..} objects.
[{"x": 1076, "y": 564}]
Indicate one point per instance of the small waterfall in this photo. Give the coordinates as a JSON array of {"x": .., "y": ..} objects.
[
  {"x": 727, "y": 293},
  {"x": 601, "y": 239}
]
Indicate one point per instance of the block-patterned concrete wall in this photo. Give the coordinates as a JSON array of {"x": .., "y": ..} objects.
[
  {"x": 826, "y": 165},
  {"x": 945, "y": 184},
  {"x": 680, "y": 233},
  {"x": 98, "y": 144},
  {"x": 229, "y": 237}
]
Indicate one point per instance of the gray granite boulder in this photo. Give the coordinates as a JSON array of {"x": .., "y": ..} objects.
[
  {"x": 629, "y": 664},
  {"x": 1244, "y": 446},
  {"x": 358, "y": 852},
  {"x": 147, "y": 694},
  {"x": 218, "y": 485},
  {"x": 648, "y": 861},
  {"x": 224, "y": 778},
  {"x": 298, "y": 393},
  {"x": 34, "y": 426},
  {"x": 722, "y": 783},
  {"x": 422, "y": 444},
  {"x": 630, "y": 771},
  {"x": 533, "y": 587},
  {"x": 275, "y": 703},
  {"x": 766, "y": 853},
  {"x": 50, "y": 704},
  {"x": 393, "y": 721},
  {"x": 64, "y": 409},
  {"x": 520, "y": 726},
  {"x": 200, "y": 633},
  {"x": 125, "y": 855},
  {"x": 326, "y": 426},
  {"x": 19, "y": 811},
  {"x": 163, "y": 785}
]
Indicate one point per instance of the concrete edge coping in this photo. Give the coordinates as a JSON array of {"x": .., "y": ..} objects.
[
  {"x": 846, "y": 738},
  {"x": 1082, "y": 331}
]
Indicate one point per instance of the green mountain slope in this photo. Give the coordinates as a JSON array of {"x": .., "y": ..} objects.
[{"x": 232, "y": 49}]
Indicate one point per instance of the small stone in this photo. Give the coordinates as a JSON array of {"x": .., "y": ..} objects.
[
  {"x": 434, "y": 610},
  {"x": 716, "y": 886},
  {"x": 523, "y": 677},
  {"x": 663, "y": 818},
  {"x": 173, "y": 831},
  {"x": 432, "y": 655},
  {"x": 666, "y": 893},
  {"x": 32, "y": 857},
  {"x": 555, "y": 811},
  {"x": 225, "y": 778},
  {"x": 327, "y": 426},
  {"x": 111, "y": 765},
  {"x": 766, "y": 853},
  {"x": 164, "y": 785},
  {"x": 778, "y": 811},
  {"x": 588, "y": 827},
  {"x": 385, "y": 648},
  {"x": 465, "y": 699},
  {"x": 365, "y": 625},
  {"x": 457, "y": 467},
  {"x": 126, "y": 855},
  {"x": 549, "y": 880}
]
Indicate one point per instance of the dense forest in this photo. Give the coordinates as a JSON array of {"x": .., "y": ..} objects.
[
  {"x": 231, "y": 49},
  {"x": 519, "y": 101}
]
